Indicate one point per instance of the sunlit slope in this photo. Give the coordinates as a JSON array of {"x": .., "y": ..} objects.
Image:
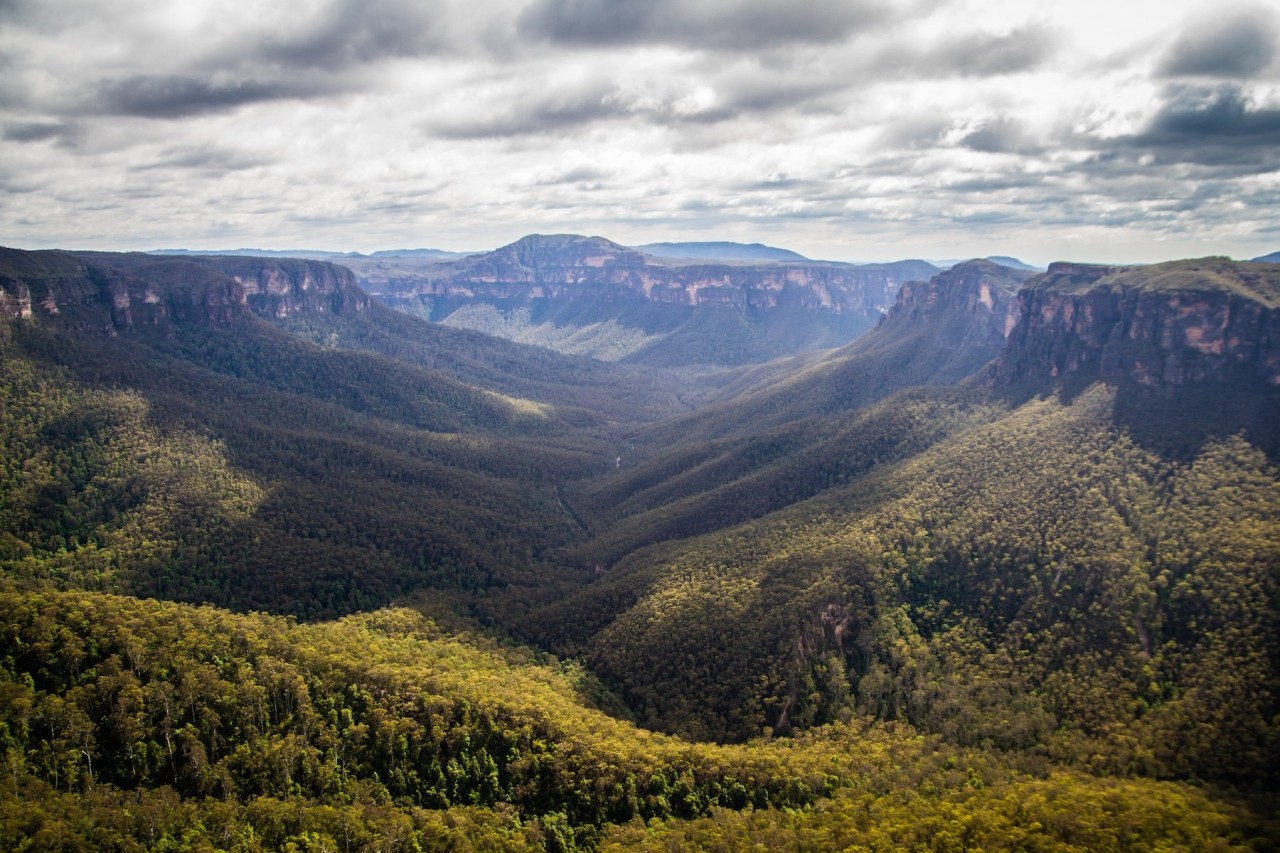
[
  {"x": 144, "y": 725},
  {"x": 1039, "y": 582}
]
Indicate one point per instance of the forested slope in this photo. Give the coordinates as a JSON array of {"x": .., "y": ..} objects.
[
  {"x": 130, "y": 724},
  {"x": 162, "y": 438},
  {"x": 919, "y": 597}
]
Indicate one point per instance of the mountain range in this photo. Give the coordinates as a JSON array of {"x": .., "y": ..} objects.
[
  {"x": 914, "y": 559},
  {"x": 591, "y": 296}
]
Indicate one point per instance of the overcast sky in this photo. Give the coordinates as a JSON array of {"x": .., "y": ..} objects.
[{"x": 1117, "y": 130}]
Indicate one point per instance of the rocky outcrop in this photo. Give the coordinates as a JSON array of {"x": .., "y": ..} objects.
[
  {"x": 1162, "y": 327},
  {"x": 114, "y": 293},
  {"x": 978, "y": 298}
]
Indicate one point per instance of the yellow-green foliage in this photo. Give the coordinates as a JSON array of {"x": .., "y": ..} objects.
[
  {"x": 1040, "y": 582},
  {"x": 144, "y": 725}
]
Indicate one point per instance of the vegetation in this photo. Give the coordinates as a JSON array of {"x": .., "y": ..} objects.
[
  {"x": 294, "y": 581},
  {"x": 133, "y": 724}
]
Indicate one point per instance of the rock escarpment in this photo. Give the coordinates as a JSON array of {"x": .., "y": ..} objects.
[
  {"x": 1162, "y": 327},
  {"x": 751, "y": 310},
  {"x": 574, "y": 267},
  {"x": 115, "y": 293},
  {"x": 978, "y": 298}
]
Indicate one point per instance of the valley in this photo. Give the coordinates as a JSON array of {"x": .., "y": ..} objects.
[{"x": 573, "y": 546}]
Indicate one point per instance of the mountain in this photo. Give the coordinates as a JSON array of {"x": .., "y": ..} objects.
[
  {"x": 329, "y": 466},
  {"x": 1195, "y": 336},
  {"x": 310, "y": 254},
  {"x": 810, "y": 546},
  {"x": 1013, "y": 263},
  {"x": 720, "y": 251},
  {"x": 1002, "y": 260},
  {"x": 590, "y": 296},
  {"x": 283, "y": 568},
  {"x": 433, "y": 254},
  {"x": 1273, "y": 258}
]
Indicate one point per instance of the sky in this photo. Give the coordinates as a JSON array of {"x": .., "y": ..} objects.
[{"x": 856, "y": 130}]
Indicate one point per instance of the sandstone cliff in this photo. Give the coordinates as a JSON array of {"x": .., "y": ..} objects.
[
  {"x": 114, "y": 293},
  {"x": 575, "y": 267},
  {"x": 1162, "y": 327},
  {"x": 559, "y": 291}
]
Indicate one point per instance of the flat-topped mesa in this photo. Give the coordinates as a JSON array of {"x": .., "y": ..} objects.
[
  {"x": 1162, "y": 326},
  {"x": 113, "y": 293}
]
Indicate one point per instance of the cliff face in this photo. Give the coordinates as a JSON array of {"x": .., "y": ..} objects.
[
  {"x": 110, "y": 293},
  {"x": 588, "y": 295},
  {"x": 568, "y": 267},
  {"x": 280, "y": 288},
  {"x": 978, "y": 298},
  {"x": 1162, "y": 327}
]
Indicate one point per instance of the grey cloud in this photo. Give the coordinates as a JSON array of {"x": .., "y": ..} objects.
[
  {"x": 181, "y": 96},
  {"x": 719, "y": 24},
  {"x": 987, "y": 217},
  {"x": 1214, "y": 127},
  {"x": 203, "y": 158},
  {"x": 350, "y": 32},
  {"x": 1203, "y": 133},
  {"x": 546, "y": 113},
  {"x": 989, "y": 55},
  {"x": 972, "y": 54},
  {"x": 579, "y": 175},
  {"x": 914, "y": 133},
  {"x": 779, "y": 182},
  {"x": 1001, "y": 136},
  {"x": 34, "y": 131},
  {"x": 1235, "y": 46},
  {"x": 996, "y": 184}
]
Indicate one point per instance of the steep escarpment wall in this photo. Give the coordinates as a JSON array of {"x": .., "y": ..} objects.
[
  {"x": 115, "y": 293},
  {"x": 1215, "y": 322},
  {"x": 570, "y": 267}
]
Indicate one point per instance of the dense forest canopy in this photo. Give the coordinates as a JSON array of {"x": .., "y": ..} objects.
[{"x": 285, "y": 569}]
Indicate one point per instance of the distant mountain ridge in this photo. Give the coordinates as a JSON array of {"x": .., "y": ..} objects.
[
  {"x": 720, "y": 250},
  {"x": 312, "y": 254},
  {"x": 661, "y": 311}
]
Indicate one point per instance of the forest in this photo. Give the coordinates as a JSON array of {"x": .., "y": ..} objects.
[{"x": 280, "y": 576}]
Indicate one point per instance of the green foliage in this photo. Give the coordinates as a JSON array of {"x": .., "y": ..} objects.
[
  {"x": 300, "y": 505},
  {"x": 979, "y": 624},
  {"x": 1035, "y": 583},
  {"x": 127, "y": 722}
]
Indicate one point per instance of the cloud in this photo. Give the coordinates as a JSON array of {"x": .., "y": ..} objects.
[
  {"x": 207, "y": 158},
  {"x": 181, "y": 96},
  {"x": 716, "y": 24},
  {"x": 349, "y": 32},
  {"x": 983, "y": 54},
  {"x": 1218, "y": 126},
  {"x": 999, "y": 136},
  {"x": 34, "y": 131},
  {"x": 523, "y": 113},
  {"x": 1237, "y": 45}
]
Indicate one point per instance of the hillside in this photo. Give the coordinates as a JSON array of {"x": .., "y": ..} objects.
[
  {"x": 989, "y": 532},
  {"x": 284, "y": 567},
  {"x": 196, "y": 449},
  {"x": 591, "y": 296}
]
